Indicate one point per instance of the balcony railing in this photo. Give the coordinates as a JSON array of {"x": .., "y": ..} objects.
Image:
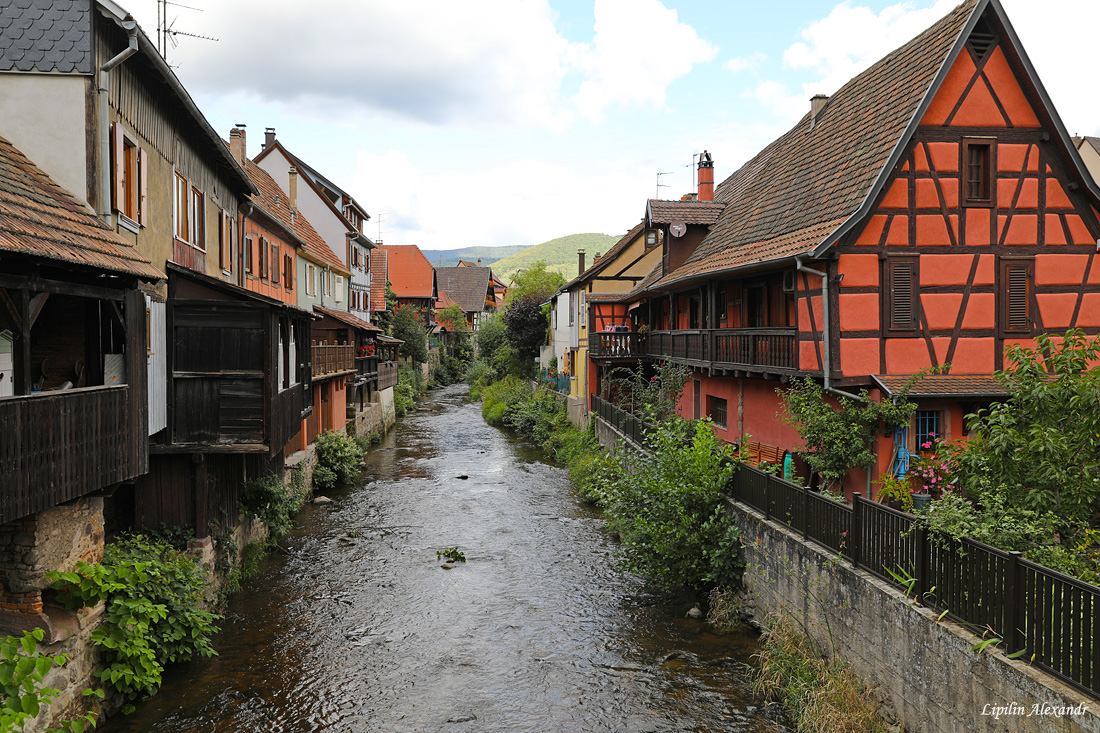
[
  {"x": 57, "y": 446},
  {"x": 387, "y": 374},
  {"x": 332, "y": 359},
  {"x": 772, "y": 348}
]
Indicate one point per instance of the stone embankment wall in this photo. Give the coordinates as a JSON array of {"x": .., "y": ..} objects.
[{"x": 923, "y": 672}]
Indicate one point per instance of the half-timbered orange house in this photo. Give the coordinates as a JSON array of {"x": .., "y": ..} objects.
[{"x": 930, "y": 213}]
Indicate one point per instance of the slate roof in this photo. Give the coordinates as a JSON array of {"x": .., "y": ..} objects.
[
  {"x": 348, "y": 319},
  {"x": 410, "y": 273},
  {"x": 689, "y": 212},
  {"x": 38, "y": 218},
  {"x": 276, "y": 204},
  {"x": 467, "y": 286},
  {"x": 944, "y": 385},
  {"x": 800, "y": 188},
  {"x": 379, "y": 274},
  {"x": 608, "y": 257},
  {"x": 46, "y": 35}
]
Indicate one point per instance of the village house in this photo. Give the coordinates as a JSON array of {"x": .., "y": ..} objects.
[
  {"x": 412, "y": 279},
  {"x": 471, "y": 288},
  {"x": 966, "y": 223}
]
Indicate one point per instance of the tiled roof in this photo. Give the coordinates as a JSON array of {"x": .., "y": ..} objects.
[
  {"x": 467, "y": 286},
  {"x": 379, "y": 274},
  {"x": 689, "y": 212},
  {"x": 801, "y": 187},
  {"x": 38, "y": 218},
  {"x": 409, "y": 271},
  {"x": 607, "y": 258},
  {"x": 604, "y": 297},
  {"x": 275, "y": 202},
  {"x": 46, "y": 35},
  {"x": 348, "y": 318},
  {"x": 944, "y": 385},
  {"x": 444, "y": 301}
]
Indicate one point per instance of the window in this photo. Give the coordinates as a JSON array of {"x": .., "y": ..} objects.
[
  {"x": 721, "y": 305},
  {"x": 651, "y": 238},
  {"x": 263, "y": 258},
  {"x": 225, "y": 242},
  {"x": 249, "y": 260},
  {"x": 1016, "y": 297},
  {"x": 275, "y": 263},
  {"x": 183, "y": 222},
  {"x": 978, "y": 167},
  {"x": 756, "y": 302},
  {"x": 902, "y": 276},
  {"x": 581, "y": 309},
  {"x": 339, "y": 288},
  {"x": 197, "y": 219},
  {"x": 716, "y": 408},
  {"x": 288, "y": 272},
  {"x": 572, "y": 305},
  {"x": 130, "y": 179},
  {"x": 929, "y": 430},
  {"x": 311, "y": 286}
]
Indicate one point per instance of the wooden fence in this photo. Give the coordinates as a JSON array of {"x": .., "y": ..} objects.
[
  {"x": 1050, "y": 619},
  {"x": 625, "y": 422},
  {"x": 332, "y": 359},
  {"x": 387, "y": 375}
]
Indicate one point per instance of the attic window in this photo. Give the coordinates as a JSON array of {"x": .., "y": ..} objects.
[
  {"x": 978, "y": 167},
  {"x": 651, "y": 238},
  {"x": 1016, "y": 294},
  {"x": 982, "y": 39},
  {"x": 902, "y": 276}
]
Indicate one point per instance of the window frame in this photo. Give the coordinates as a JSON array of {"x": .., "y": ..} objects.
[
  {"x": 712, "y": 404},
  {"x": 197, "y": 218},
  {"x": 889, "y": 296},
  {"x": 181, "y": 204},
  {"x": 989, "y": 171},
  {"x": 1004, "y": 296},
  {"x": 923, "y": 418},
  {"x": 311, "y": 286},
  {"x": 288, "y": 271}
]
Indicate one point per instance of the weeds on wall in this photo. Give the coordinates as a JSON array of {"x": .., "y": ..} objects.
[
  {"x": 155, "y": 614},
  {"x": 23, "y": 693}
]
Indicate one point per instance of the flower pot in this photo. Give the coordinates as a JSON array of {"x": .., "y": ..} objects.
[{"x": 920, "y": 502}]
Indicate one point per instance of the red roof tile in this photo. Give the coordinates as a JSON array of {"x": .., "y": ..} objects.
[
  {"x": 800, "y": 188},
  {"x": 348, "y": 318},
  {"x": 38, "y": 218},
  {"x": 944, "y": 385},
  {"x": 410, "y": 273},
  {"x": 689, "y": 212}
]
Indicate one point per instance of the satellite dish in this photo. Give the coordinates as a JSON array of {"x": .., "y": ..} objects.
[{"x": 677, "y": 229}]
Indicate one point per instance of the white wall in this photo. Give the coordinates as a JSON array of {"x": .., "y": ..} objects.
[
  {"x": 330, "y": 226},
  {"x": 158, "y": 366},
  {"x": 43, "y": 116}
]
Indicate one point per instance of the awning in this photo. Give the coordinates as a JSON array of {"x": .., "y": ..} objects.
[{"x": 944, "y": 386}]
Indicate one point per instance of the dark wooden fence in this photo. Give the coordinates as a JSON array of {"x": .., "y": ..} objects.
[
  {"x": 332, "y": 359},
  {"x": 387, "y": 375},
  {"x": 605, "y": 345},
  {"x": 57, "y": 446},
  {"x": 1051, "y": 619},
  {"x": 775, "y": 348},
  {"x": 625, "y": 422}
]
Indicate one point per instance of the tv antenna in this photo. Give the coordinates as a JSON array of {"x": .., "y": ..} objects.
[
  {"x": 659, "y": 184},
  {"x": 166, "y": 31},
  {"x": 380, "y": 217},
  {"x": 694, "y": 172}
]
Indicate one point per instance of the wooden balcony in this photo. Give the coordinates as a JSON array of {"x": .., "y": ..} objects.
[
  {"x": 768, "y": 349},
  {"x": 58, "y": 446},
  {"x": 387, "y": 375},
  {"x": 332, "y": 359}
]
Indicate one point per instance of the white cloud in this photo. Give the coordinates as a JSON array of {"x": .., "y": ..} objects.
[
  {"x": 745, "y": 63},
  {"x": 640, "y": 48},
  {"x": 523, "y": 201}
]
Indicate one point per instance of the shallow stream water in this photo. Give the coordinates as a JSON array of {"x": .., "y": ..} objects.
[{"x": 356, "y": 627}]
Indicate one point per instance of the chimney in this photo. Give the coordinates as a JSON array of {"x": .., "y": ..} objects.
[
  {"x": 817, "y": 103},
  {"x": 479, "y": 262},
  {"x": 580, "y": 262},
  {"x": 244, "y": 146},
  {"x": 293, "y": 188},
  {"x": 706, "y": 177},
  {"x": 237, "y": 146},
  {"x": 269, "y": 137}
]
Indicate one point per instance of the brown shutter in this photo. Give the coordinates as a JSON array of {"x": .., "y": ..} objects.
[
  {"x": 117, "y": 160},
  {"x": 902, "y": 296},
  {"x": 1016, "y": 300},
  {"x": 143, "y": 182},
  {"x": 274, "y": 262}
]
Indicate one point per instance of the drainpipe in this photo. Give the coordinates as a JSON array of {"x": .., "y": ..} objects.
[
  {"x": 131, "y": 28},
  {"x": 827, "y": 366}
]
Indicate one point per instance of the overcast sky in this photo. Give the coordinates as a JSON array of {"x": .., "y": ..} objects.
[{"x": 496, "y": 122}]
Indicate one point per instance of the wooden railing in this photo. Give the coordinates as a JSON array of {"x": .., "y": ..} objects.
[
  {"x": 773, "y": 348},
  {"x": 387, "y": 375},
  {"x": 57, "y": 446},
  {"x": 1046, "y": 616},
  {"x": 332, "y": 359},
  {"x": 625, "y": 422},
  {"x": 604, "y": 345}
]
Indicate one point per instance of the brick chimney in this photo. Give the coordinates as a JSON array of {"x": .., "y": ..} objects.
[
  {"x": 706, "y": 177},
  {"x": 237, "y": 146},
  {"x": 293, "y": 188},
  {"x": 269, "y": 137},
  {"x": 580, "y": 262}
]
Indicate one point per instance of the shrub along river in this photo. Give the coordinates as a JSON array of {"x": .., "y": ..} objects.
[{"x": 356, "y": 627}]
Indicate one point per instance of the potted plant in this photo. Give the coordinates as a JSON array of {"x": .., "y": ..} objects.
[{"x": 895, "y": 493}]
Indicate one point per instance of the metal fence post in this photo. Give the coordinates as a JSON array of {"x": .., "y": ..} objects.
[
  {"x": 855, "y": 530},
  {"x": 805, "y": 511},
  {"x": 1013, "y": 588},
  {"x": 767, "y": 497}
]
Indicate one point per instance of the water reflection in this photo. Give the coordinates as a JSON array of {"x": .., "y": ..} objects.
[{"x": 357, "y": 628}]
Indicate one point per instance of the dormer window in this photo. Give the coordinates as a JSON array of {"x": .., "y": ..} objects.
[
  {"x": 651, "y": 238},
  {"x": 978, "y": 166}
]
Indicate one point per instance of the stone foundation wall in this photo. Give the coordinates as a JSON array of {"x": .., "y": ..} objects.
[{"x": 923, "y": 672}]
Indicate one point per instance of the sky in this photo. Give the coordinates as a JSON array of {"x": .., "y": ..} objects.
[{"x": 504, "y": 122}]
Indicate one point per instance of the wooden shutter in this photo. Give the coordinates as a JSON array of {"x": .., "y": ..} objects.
[
  {"x": 118, "y": 153},
  {"x": 274, "y": 262},
  {"x": 1017, "y": 298},
  {"x": 143, "y": 188},
  {"x": 903, "y": 291}
]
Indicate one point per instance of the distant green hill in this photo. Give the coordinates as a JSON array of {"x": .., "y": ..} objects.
[
  {"x": 488, "y": 255},
  {"x": 560, "y": 255}
]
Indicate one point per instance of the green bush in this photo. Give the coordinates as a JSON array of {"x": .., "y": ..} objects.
[
  {"x": 154, "y": 613},
  {"x": 338, "y": 457},
  {"x": 22, "y": 694},
  {"x": 271, "y": 501}
]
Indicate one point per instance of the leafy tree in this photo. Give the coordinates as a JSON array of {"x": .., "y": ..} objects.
[
  {"x": 384, "y": 320},
  {"x": 453, "y": 318},
  {"x": 407, "y": 327},
  {"x": 525, "y": 329},
  {"x": 536, "y": 282},
  {"x": 490, "y": 335},
  {"x": 1043, "y": 442}
]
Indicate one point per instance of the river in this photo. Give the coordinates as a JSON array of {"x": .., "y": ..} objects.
[{"x": 356, "y": 627}]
